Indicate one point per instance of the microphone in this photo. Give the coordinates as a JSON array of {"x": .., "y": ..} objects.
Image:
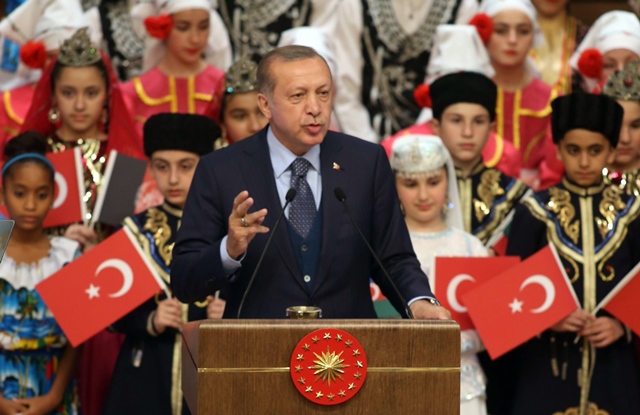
[
  {"x": 291, "y": 194},
  {"x": 342, "y": 198}
]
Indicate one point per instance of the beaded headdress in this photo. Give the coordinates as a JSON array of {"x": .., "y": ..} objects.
[
  {"x": 78, "y": 51},
  {"x": 241, "y": 77},
  {"x": 624, "y": 84},
  {"x": 415, "y": 155}
]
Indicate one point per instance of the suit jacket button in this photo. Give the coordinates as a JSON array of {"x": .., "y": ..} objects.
[
  {"x": 307, "y": 278},
  {"x": 304, "y": 248}
]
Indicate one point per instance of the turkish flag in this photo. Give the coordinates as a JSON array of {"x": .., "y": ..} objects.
[
  {"x": 456, "y": 276},
  {"x": 521, "y": 302},
  {"x": 100, "y": 287},
  {"x": 623, "y": 299},
  {"x": 69, "y": 189}
]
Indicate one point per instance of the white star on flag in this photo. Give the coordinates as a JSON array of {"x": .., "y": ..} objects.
[
  {"x": 93, "y": 291},
  {"x": 516, "y": 306}
]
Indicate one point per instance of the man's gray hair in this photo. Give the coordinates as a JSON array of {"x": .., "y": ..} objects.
[{"x": 291, "y": 53}]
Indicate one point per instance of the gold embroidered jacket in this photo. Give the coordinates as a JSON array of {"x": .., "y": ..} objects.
[
  {"x": 597, "y": 235},
  {"x": 487, "y": 197}
]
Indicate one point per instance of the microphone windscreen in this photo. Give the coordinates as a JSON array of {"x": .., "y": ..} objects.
[
  {"x": 339, "y": 194},
  {"x": 291, "y": 194}
]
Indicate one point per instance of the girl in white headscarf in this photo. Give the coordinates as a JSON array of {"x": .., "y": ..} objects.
[
  {"x": 523, "y": 109},
  {"x": 612, "y": 42},
  {"x": 428, "y": 192},
  {"x": 186, "y": 53}
]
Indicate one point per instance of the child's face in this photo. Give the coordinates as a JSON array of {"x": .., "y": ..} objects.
[
  {"x": 28, "y": 194},
  {"x": 189, "y": 36},
  {"x": 584, "y": 154},
  {"x": 173, "y": 172},
  {"x": 423, "y": 198},
  {"x": 512, "y": 38},
  {"x": 616, "y": 60},
  {"x": 80, "y": 95},
  {"x": 464, "y": 129},
  {"x": 242, "y": 116},
  {"x": 628, "y": 149}
]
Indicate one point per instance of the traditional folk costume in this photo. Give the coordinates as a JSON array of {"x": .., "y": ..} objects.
[
  {"x": 560, "y": 38},
  {"x": 32, "y": 34},
  {"x": 155, "y": 92},
  {"x": 120, "y": 39},
  {"x": 487, "y": 196},
  {"x": 147, "y": 378},
  {"x": 31, "y": 342},
  {"x": 624, "y": 85},
  {"x": 613, "y": 30},
  {"x": 99, "y": 353},
  {"x": 596, "y": 232},
  {"x": 383, "y": 51},
  {"x": 420, "y": 156},
  {"x": 497, "y": 152},
  {"x": 523, "y": 115},
  {"x": 256, "y": 26}
]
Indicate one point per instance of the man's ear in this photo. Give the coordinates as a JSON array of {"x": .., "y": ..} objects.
[
  {"x": 263, "y": 104},
  {"x": 435, "y": 126}
]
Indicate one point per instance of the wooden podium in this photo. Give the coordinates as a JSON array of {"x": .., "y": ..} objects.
[{"x": 242, "y": 367}]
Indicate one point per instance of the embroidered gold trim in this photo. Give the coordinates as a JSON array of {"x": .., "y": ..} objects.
[
  {"x": 497, "y": 155},
  {"x": 176, "y": 367},
  {"x": 488, "y": 189},
  {"x": 532, "y": 144},
  {"x": 172, "y": 210},
  {"x": 582, "y": 191},
  {"x": 9, "y": 108},
  {"x": 517, "y": 101},
  {"x": 610, "y": 205},
  {"x": 464, "y": 185},
  {"x": 157, "y": 224},
  {"x": 560, "y": 204},
  {"x": 144, "y": 244},
  {"x": 153, "y": 102}
]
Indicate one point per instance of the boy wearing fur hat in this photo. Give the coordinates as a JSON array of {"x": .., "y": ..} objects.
[
  {"x": 464, "y": 112},
  {"x": 145, "y": 380},
  {"x": 594, "y": 227}
]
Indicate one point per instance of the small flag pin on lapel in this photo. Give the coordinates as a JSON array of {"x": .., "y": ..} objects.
[{"x": 336, "y": 166}]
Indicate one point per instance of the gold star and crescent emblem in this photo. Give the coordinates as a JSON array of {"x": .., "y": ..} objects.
[{"x": 328, "y": 366}]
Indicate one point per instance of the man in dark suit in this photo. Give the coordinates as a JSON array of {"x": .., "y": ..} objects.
[{"x": 317, "y": 257}]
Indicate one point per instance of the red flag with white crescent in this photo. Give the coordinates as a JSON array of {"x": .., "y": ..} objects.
[
  {"x": 521, "y": 302},
  {"x": 69, "y": 189},
  {"x": 623, "y": 299},
  {"x": 455, "y": 276},
  {"x": 100, "y": 287}
]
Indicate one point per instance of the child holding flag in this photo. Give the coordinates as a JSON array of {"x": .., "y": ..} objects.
[
  {"x": 429, "y": 197},
  {"x": 36, "y": 362},
  {"x": 147, "y": 377},
  {"x": 585, "y": 364}
]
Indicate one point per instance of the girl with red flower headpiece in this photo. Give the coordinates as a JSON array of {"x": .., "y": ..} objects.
[
  {"x": 39, "y": 40},
  {"x": 186, "y": 52},
  {"x": 523, "y": 109},
  {"x": 612, "y": 42}
]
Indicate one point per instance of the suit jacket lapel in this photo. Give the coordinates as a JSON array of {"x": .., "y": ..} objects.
[
  {"x": 331, "y": 208},
  {"x": 258, "y": 174}
]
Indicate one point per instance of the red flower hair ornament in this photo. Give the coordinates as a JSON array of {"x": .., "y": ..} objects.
[
  {"x": 33, "y": 54},
  {"x": 590, "y": 63},
  {"x": 159, "y": 26},
  {"x": 422, "y": 96},
  {"x": 484, "y": 26}
]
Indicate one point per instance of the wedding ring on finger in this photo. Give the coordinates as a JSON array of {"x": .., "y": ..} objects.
[{"x": 243, "y": 221}]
